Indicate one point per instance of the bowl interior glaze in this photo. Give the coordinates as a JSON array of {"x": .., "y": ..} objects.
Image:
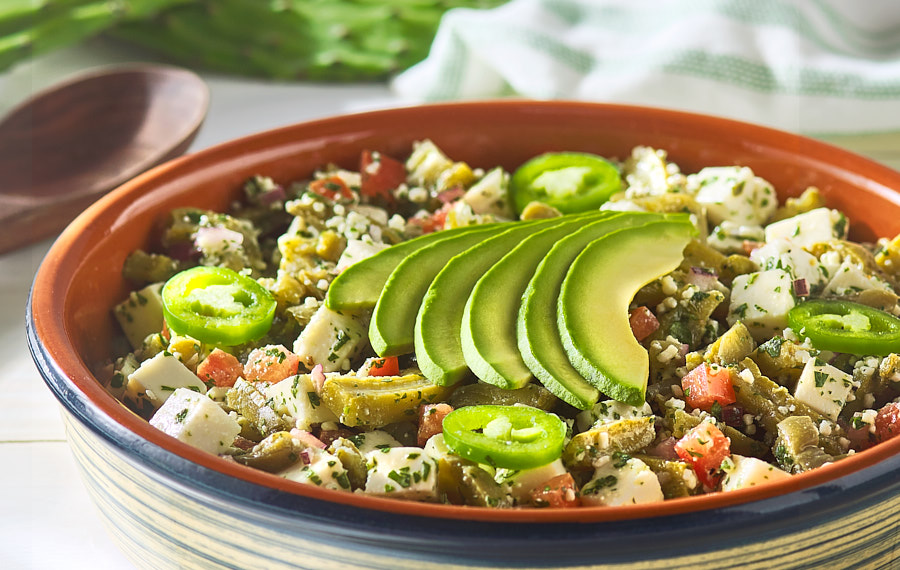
[{"x": 80, "y": 279}]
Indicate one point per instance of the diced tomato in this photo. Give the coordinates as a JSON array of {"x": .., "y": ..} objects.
[
  {"x": 860, "y": 437},
  {"x": 707, "y": 384},
  {"x": 704, "y": 448},
  {"x": 387, "y": 366},
  {"x": 220, "y": 368},
  {"x": 435, "y": 221},
  {"x": 559, "y": 492},
  {"x": 270, "y": 364},
  {"x": 331, "y": 187},
  {"x": 380, "y": 175},
  {"x": 431, "y": 421},
  {"x": 643, "y": 323},
  {"x": 887, "y": 421}
]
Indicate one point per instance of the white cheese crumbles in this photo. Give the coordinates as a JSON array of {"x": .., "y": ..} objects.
[
  {"x": 141, "y": 314},
  {"x": 332, "y": 339},
  {"x": 296, "y": 397},
  {"x": 193, "y": 418},
  {"x": 762, "y": 301},
  {"x": 320, "y": 468},
  {"x": 806, "y": 229},
  {"x": 621, "y": 480},
  {"x": 824, "y": 388},
  {"x": 162, "y": 374},
  {"x": 521, "y": 482},
  {"x": 734, "y": 194},
  {"x": 402, "y": 472},
  {"x": 742, "y": 472},
  {"x": 609, "y": 411}
]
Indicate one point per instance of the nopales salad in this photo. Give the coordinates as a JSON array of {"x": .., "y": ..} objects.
[{"x": 582, "y": 331}]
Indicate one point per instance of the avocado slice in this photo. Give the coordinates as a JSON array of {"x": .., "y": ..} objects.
[
  {"x": 488, "y": 333},
  {"x": 592, "y": 309},
  {"x": 394, "y": 317},
  {"x": 359, "y": 286},
  {"x": 437, "y": 328},
  {"x": 537, "y": 334}
]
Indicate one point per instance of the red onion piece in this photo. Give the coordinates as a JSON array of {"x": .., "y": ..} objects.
[
  {"x": 701, "y": 277},
  {"x": 269, "y": 197},
  {"x": 318, "y": 378},
  {"x": 451, "y": 194},
  {"x": 801, "y": 287}
]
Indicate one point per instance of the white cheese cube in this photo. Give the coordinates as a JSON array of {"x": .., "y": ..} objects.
[
  {"x": 735, "y": 194},
  {"x": 808, "y": 228},
  {"x": 401, "y": 472},
  {"x": 795, "y": 260},
  {"x": 357, "y": 250},
  {"x": 296, "y": 397},
  {"x": 520, "y": 483},
  {"x": 320, "y": 468},
  {"x": 742, "y": 472},
  {"x": 647, "y": 173},
  {"x": 436, "y": 447},
  {"x": 489, "y": 195},
  {"x": 620, "y": 482},
  {"x": 762, "y": 301},
  {"x": 823, "y": 387},
  {"x": 374, "y": 440},
  {"x": 850, "y": 278},
  {"x": 729, "y": 237},
  {"x": 196, "y": 420},
  {"x": 161, "y": 375},
  {"x": 332, "y": 339},
  {"x": 141, "y": 314},
  {"x": 609, "y": 411}
]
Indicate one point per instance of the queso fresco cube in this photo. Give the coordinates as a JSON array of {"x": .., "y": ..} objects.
[
  {"x": 735, "y": 194},
  {"x": 762, "y": 301},
  {"x": 196, "y": 420},
  {"x": 823, "y": 387},
  {"x": 808, "y": 228},
  {"x": 401, "y": 472}
]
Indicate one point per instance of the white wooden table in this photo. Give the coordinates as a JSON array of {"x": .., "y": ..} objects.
[{"x": 46, "y": 517}]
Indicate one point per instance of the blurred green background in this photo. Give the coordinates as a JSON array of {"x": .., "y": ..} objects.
[{"x": 326, "y": 40}]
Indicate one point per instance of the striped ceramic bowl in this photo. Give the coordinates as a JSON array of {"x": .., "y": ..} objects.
[{"x": 170, "y": 505}]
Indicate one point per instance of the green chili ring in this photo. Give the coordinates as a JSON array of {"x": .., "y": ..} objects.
[
  {"x": 571, "y": 182},
  {"x": 218, "y": 306},
  {"x": 844, "y": 326},
  {"x": 512, "y": 437}
]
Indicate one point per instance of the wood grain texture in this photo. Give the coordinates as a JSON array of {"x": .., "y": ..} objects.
[{"x": 70, "y": 144}]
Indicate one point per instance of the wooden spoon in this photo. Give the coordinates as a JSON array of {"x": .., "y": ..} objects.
[{"x": 65, "y": 147}]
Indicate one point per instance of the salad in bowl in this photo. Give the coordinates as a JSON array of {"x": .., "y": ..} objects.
[{"x": 579, "y": 331}]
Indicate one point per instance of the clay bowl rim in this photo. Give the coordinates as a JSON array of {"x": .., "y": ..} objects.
[{"x": 81, "y": 393}]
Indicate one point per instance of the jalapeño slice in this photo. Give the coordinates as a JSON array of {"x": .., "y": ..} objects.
[
  {"x": 218, "y": 306},
  {"x": 513, "y": 437},
  {"x": 844, "y": 326},
  {"x": 571, "y": 182}
]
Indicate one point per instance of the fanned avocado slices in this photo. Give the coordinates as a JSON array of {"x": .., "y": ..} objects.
[
  {"x": 592, "y": 309},
  {"x": 437, "y": 328},
  {"x": 536, "y": 323},
  {"x": 359, "y": 285},
  {"x": 391, "y": 327},
  {"x": 488, "y": 333}
]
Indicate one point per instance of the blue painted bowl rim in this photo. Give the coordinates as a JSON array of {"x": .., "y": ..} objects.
[{"x": 824, "y": 494}]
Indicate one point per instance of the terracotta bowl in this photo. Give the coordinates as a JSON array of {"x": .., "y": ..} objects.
[{"x": 168, "y": 504}]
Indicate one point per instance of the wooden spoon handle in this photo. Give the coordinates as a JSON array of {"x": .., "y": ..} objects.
[{"x": 24, "y": 220}]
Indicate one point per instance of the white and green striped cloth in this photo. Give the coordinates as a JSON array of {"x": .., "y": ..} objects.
[{"x": 813, "y": 66}]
